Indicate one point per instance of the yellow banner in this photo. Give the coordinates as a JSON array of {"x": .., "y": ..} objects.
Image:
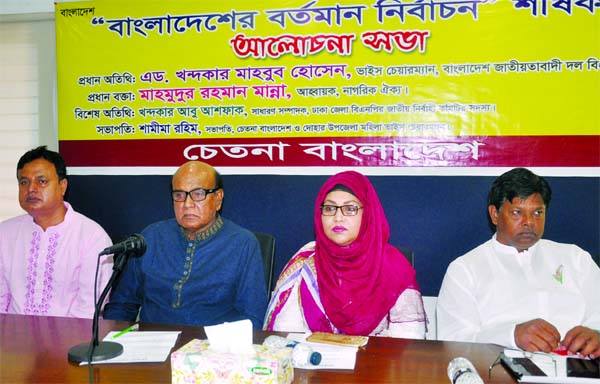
[{"x": 157, "y": 69}]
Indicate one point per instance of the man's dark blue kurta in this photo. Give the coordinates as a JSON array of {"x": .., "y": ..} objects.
[{"x": 216, "y": 277}]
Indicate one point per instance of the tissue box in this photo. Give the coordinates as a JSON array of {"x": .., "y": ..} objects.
[{"x": 196, "y": 363}]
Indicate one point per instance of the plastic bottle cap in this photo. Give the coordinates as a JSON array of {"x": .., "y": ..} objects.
[{"x": 315, "y": 358}]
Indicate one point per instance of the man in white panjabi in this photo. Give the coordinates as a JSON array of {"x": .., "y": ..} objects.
[{"x": 517, "y": 289}]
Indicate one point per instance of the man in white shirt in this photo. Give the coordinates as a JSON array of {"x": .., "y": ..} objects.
[{"x": 518, "y": 290}]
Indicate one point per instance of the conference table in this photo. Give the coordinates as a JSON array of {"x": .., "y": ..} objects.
[{"x": 33, "y": 349}]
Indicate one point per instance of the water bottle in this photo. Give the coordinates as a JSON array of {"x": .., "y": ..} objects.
[
  {"x": 302, "y": 353},
  {"x": 462, "y": 371}
]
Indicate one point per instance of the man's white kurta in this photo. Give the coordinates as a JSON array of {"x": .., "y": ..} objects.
[{"x": 491, "y": 289}]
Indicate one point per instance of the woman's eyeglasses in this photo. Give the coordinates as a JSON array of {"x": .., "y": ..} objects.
[{"x": 347, "y": 210}]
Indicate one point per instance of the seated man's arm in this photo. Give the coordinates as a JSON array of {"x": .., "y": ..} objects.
[
  {"x": 5, "y": 295},
  {"x": 126, "y": 299},
  {"x": 585, "y": 338},
  {"x": 251, "y": 299},
  {"x": 89, "y": 248},
  {"x": 537, "y": 335},
  {"x": 458, "y": 315}
]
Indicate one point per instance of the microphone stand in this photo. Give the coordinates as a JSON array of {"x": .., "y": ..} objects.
[{"x": 99, "y": 351}]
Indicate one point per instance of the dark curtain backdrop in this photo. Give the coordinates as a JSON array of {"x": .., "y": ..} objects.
[{"x": 438, "y": 217}]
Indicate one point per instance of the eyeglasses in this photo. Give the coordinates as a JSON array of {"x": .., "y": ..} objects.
[
  {"x": 198, "y": 194},
  {"x": 347, "y": 210}
]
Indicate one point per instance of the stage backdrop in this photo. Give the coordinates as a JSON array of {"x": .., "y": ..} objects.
[
  {"x": 430, "y": 98},
  {"x": 386, "y": 83}
]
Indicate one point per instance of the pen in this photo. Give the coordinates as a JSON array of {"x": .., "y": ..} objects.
[{"x": 134, "y": 327}]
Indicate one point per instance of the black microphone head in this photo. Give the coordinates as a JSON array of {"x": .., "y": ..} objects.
[
  {"x": 134, "y": 245},
  {"x": 138, "y": 244}
]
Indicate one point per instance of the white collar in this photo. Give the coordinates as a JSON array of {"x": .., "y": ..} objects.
[{"x": 509, "y": 249}]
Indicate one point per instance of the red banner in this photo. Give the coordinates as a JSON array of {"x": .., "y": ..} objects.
[{"x": 471, "y": 151}]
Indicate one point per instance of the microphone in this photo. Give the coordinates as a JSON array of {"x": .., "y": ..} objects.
[
  {"x": 134, "y": 244},
  {"x": 104, "y": 350},
  {"x": 462, "y": 371}
]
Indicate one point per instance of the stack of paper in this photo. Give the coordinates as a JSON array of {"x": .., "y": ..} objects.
[{"x": 141, "y": 347}]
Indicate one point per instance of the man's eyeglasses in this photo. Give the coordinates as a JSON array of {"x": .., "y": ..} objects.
[
  {"x": 198, "y": 194},
  {"x": 347, "y": 210}
]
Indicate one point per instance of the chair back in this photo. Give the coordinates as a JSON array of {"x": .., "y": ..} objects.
[
  {"x": 409, "y": 254},
  {"x": 430, "y": 304},
  {"x": 267, "y": 249}
]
